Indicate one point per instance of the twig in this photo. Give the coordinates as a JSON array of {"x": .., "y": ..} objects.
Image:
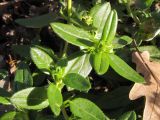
[{"x": 66, "y": 117}]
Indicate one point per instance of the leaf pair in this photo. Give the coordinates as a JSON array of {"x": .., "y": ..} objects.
[
  {"x": 102, "y": 60},
  {"x": 81, "y": 108},
  {"x": 105, "y": 20},
  {"x": 73, "y": 76}
]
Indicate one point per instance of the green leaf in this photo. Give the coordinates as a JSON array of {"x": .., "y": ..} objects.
[
  {"x": 80, "y": 65},
  {"x": 38, "y": 78},
  {"x": 14, "y": 116},
  {"x": 94, "y": 10},
  {"x": 47, "y": 50},
  {"x": 22, "y": 50},
  {"x": 73, "y": 35},
  {"x": 86, "y": 110},
  {"x": 152, "y": 35},
  {"x": 123, "y": 1},
  {"x": 23, "y": 78},
  {"x": 4, "y": 93},
  {"x": 120, "y": 42},
  {"x": 31, "y": 98},
  {"x": 113, "y": 98},
  {"x": 8, "y": 116},
  {"x": 100, "y": 17},
  {"x": 153, "y": 50},
  {"x": 55, "y": 99},
  {"x": 144, "y": 4},
  {"x": 128, "y": 116},
  {"x": 38, "y": 21},
  {"x": 110, "y": 27},
  {"x": 124, "y": 69},
  {"x": 77, "y": 82},
  {"x": 4, "y": 101},
  {"x": 100, "y": 62},
  {"x": 42, "y": 60},
  {"x": 3, "y": 73}
]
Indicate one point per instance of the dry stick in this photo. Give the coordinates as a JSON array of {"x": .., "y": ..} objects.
[{"x": 152, "y": 73}]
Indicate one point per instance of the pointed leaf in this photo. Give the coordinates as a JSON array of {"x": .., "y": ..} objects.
[
  {"x": 73, "y": 35},
  {"x": 100, "y": 17},
  {"x": 31, "y": 98},
  {"x": 42, "y": 60},
  {"x": 77, "y": 82},
  {"x": 100, "y": 62},
  {"x": 124, "y": 69},
  {"x": 38, "y": 21},
  {"x": 120, "y": 42},
  {"x": 128, "y": 116},
  {"x": 144, "y": 4},
  {"x": 47, "y": 50},
  {"x": 55, "y": 99},
  {"x": 80, "y": 65},
  {"x": 23, "y": 77},
  {"x": 153, "y": 51},
  {"x": 4, "y": 101},
  {"x": 14, "y": 116},
  {"x": 110, "y": 27},
  {"x": 8, "y": 116},
  {"x": 86, "y": 110}
]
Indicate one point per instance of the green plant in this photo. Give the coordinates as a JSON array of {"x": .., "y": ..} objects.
[{"x": 94, "y": 35}]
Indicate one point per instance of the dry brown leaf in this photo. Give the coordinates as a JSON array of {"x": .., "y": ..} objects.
[{"x": 150, "y": 89}]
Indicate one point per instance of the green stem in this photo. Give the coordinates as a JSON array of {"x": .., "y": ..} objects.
[
  {"x": 66, "y": 117},
  {"x": 65, "y": 49},
  {"x": 69, "y": 8},
  {"x": 135, "y": 18}
]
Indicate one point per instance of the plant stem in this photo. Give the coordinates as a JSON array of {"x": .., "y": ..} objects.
[
  {"x": 66, "y": 117},
  {"x": 65, "y": 49},
  {"x": 69, "y": 8},
  {"x": 134, "y": 17}
]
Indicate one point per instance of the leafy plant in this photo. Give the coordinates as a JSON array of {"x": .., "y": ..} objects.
[{"x": 58, "y": 80}]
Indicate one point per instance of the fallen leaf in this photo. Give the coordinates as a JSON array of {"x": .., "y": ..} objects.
[{"x": 151, "y": 72}]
